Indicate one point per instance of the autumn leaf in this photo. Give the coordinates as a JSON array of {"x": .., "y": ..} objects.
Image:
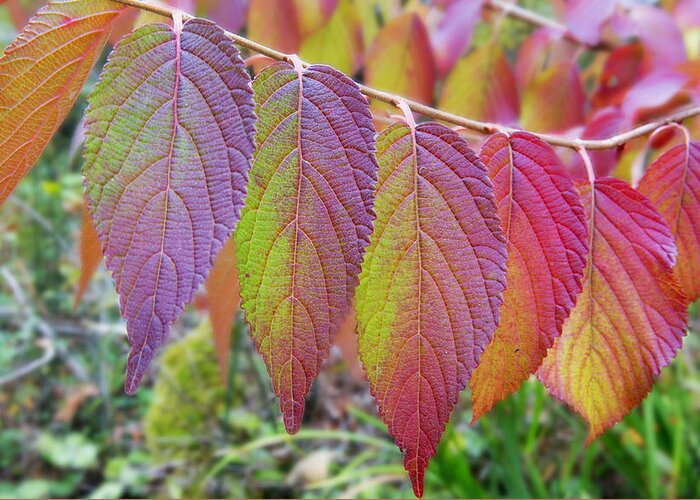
[
  {"x": 41, "y": 74},
  {"x": 545, "y": 228},
  {"x": 165, "y": 202},
  {"x": 584, "y": 18},
  {"x": 672, "y": 183},
  {"x": 431, "y": 284},
  {"x": 554, "y": 100},
  {"x": 630, "y": 318},
  {"x": 90, "y": 253},
  {"x": 482, "y": 86},
  {"x": 400, "y": 59},
  {"x": 307, "y": 221},
  {"x": 223, "y": 302},
  {"x": 339, "y": 42}
]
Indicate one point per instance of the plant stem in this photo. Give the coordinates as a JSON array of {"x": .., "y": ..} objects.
[{"x": 478, "y": 126}]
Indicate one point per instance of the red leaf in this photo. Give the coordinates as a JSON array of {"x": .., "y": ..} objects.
[
  {"x": 653, "y": 94},
  {"x": 453, "y": 34},
  {"x": 431, "y": 284},
  {"x": 545, "y": 228},
  {"x": 605, "y": 123},
  {"x": 630, "y": 318},
  {"x": 672, "y": 183},
  {"x": 622, "y": 69},
  {"x": 585, "y": 18}
]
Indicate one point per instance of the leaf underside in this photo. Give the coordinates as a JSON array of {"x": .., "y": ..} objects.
[
  {"x": 672, "y": 184},
  {"x": 41, "y": 74},
  {"x": 545, "y": 227},
  {"x": 629, "y": 320},
  {"x": 90, "y": 253},
  {"x": 431, "y": 284},
  {"x": 307, "y": 221},
  {"x": 169, "y": 140}
]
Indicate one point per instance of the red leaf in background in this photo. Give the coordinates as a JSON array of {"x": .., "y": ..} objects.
[
  {"x": 658, "y": 32},
  {"x": 622, "y": 69},
  {"x": 482, "y": 86},
  {"x": 584, "y": 18},
  {"x": 541, "y": 49},
  {"x": 554, "y": 101},
  {"x": 223, "y": 301},
  {"x": 400, "y": 59},
  {"x": 453, "y": 34},
  {"x": 545, "y": 227},
  {"x": 630, "y": 318},
  {"x": 90, "y": 254},
  {"x": 672, "y": 183},
  {"x": 229, "y": 14},
  {"x": 653, "y": 94},
  {"x": 275, "y": 23},
  {"x": 605, "y": 123}
]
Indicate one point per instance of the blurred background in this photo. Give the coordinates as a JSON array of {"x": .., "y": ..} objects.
[{"x": 68, "y": 430}]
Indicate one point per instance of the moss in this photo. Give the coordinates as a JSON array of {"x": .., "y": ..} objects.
[{"x": 183, "y": 423}]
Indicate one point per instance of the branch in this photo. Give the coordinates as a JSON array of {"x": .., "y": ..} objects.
[
  {"x": 534, "y": 19},
  {"x": 481, "y": 127}
]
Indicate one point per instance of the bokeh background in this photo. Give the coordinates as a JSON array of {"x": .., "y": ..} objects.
[{"x": 68, "y": 430}]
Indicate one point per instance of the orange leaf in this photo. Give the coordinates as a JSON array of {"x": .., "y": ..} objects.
[
  {"x": 90, "y": 253},
  {"x": 41, "y": 74},
  {"x": 223, "y": 301},
  {"x": 630, "y": 318}
]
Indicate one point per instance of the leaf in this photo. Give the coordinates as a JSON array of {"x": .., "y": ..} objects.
[
  {"x": 629, "y": 319},
  {"x": 654, "y": 93},
  {"x": 307, "y": 221},
  {"x": 90, "y": 254},
  {"x": 554, "y": 100},
  {"x": 482, "y": 86},
  {"x": 545, "y": 227},
  {"x": 431, "y": 284},
  {"x": 604, "y": 123},
  {"x": 622, "y": 69},
  {"x": 672, "y": 184},
  {"x": 401, "y": 61},
  {"x": 339, "y": 42},
  {"x": 453, "y": 34},
  {"x": 169, "y": 140},
  {"x": 41, "y": 74},
  {"x": 223, "y": 301},
  {"x": 584, "y": 18}
]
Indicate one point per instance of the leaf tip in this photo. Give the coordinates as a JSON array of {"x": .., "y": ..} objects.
[
  {"x": 417, "y": 475},
  {"x": 292, "y": 413},
  {"x": 135, "y": 369}
]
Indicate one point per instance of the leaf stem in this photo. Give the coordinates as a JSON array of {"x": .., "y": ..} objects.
[{"x": 468, "y": 123}]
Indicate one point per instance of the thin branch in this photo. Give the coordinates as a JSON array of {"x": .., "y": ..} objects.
[
  {"x": 478, "y": 126},
  {"x": 532, "y": 18}
]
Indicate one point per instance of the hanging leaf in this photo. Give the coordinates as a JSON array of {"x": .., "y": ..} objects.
[
  {"x": 223, "y": 302},
  {"x": 482, "y": 86},
  {"x": 165, "y": 202},
  {"x": 339, "y": 42},
  {"x": 41, "y": 74},
  {"x": 584, "y": 18},
  {"x": 629, "y": 320},
  {"x": 545, "y": 227},
  {"x": 453, "y": 34},
  {"x": 554, "y": 101},
  {"x": 400, "y": 59},
  {"x": 672, "y": 183},
  {"x": 90, "y": 254},
  {"x": 431, "y": 284},
  {"x": 307, "y": 221}
]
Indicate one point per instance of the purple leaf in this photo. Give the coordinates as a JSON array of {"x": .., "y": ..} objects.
[
  {"x": 453, "y": 34},
  {"x": 584, "y": 18},
  {"x": 307, "y": 221},
  {"x": 169, "y": 140}
]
